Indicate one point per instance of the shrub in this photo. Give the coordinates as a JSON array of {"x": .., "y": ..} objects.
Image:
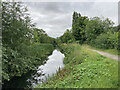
[
  {"x": 25, "y": 58},
  {"x": 107, "y": 41}
]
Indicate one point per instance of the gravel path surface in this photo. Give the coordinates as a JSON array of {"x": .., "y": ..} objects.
[{"x": 115, "y": 57}]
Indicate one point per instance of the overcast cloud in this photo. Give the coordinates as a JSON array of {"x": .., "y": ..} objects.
[{"x": 56, "y": 17}]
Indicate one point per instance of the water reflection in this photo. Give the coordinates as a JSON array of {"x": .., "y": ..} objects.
[{"x": 54, "y": 62}]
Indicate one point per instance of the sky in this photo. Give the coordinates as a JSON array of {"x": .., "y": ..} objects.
[{"x": 56, "y": 17}]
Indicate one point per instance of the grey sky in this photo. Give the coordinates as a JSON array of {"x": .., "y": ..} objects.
[{"x": 56, "y": 17}]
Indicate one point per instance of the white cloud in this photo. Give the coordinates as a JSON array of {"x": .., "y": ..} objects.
[
  {"x": 56, "y": 17},
  {"x": 65, "y": 0}
]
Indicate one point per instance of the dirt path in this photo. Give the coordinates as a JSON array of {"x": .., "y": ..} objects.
[{"x": 115, "y": 57}]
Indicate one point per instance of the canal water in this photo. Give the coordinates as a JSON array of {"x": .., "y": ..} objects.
[{"x": 33, "y": 78}]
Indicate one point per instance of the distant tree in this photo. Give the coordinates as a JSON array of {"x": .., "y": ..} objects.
[{"x": 67, "y": 36}]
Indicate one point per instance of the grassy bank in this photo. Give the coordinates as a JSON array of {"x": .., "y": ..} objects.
[
  {"x": 84, "y": 69},
  {"x": 23, "y": 60}
]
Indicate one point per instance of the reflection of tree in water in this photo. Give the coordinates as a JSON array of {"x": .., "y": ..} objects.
[{"x": 36, "y": 78}]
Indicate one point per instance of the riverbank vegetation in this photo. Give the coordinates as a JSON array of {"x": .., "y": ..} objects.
[
  {"x": 24, "y": 45},
  {"x": 84, "y": 69}
]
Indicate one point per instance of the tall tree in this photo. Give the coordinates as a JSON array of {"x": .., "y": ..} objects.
[
  {"x": 16, "y": 24},
  {"x": 78, "y": 27}
]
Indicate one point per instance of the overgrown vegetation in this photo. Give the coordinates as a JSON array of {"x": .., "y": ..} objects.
[
  {"x": 22, "y": 42},
  {"x": 84, "y": 69}
]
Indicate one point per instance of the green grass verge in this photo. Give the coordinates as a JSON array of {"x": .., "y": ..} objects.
[
  {"x": 84, "y": 69},
  {"x": 111, "y": 51}
]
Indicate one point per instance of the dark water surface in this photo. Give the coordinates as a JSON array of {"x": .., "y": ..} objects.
[{"x": 33, "y": 78}]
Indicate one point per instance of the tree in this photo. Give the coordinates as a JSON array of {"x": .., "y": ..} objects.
[
  {"x": 95, "y": 27},
  {"x": 78, "y": 27},
  {"x": 67, "y": 36},
  {"x": 16, "y": 24},
  {"x": 20, "y": 53},
  {"x": 16, "y": 31}
]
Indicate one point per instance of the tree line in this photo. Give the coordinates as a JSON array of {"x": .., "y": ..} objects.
[{"x": 97, "y": 32}]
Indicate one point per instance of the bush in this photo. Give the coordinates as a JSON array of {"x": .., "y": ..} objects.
[
  {"x": 107, "y": 41},
  {"x": 113, "y": 38},
  {"x": 25, "y": 58}
]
